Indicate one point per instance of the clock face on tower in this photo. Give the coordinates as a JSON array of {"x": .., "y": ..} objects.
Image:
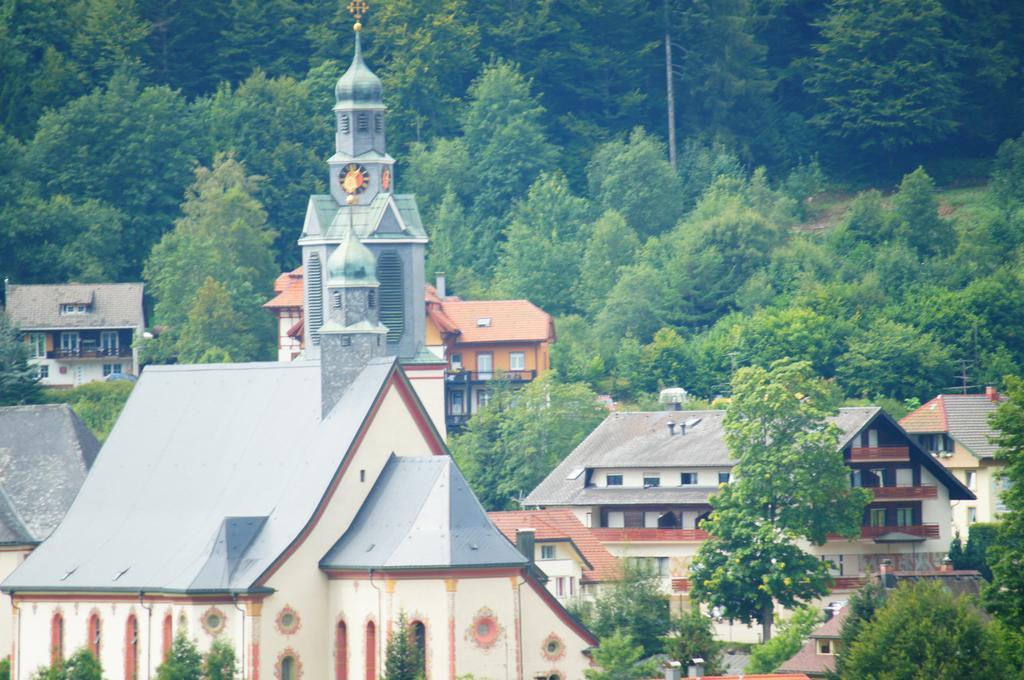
[
  {"x": 354, "y": 178},
  {"x": 385, "y": 179}
]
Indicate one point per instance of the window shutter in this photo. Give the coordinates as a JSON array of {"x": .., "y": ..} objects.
[
  {"x": 315, "y": 292},
  {"x": 392, "y": 295}
]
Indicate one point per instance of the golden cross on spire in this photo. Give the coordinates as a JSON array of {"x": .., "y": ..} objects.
[{"x": 357, "y": 8}]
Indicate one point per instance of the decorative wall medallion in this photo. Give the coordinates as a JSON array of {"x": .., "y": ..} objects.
[
  {"x": 485, "y": 631},
  {"x": 287, "y": 621},
  {"x": 553, "y": 648},
  {"x": 288, "y": 666},
  {"x": 213, "y": 621}
]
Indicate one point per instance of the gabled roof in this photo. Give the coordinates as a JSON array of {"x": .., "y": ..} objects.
[
  {"x": 195, "y": 449},
  {"x": 496, "y": 321},
  {"x": 634, "y": 440},
  {"x": 421, "y": 514},
  {"x": 113, "y": 305},
  {"x": 45, "y": 453},
  {"x": 561, "y": 524},
  {"x": 330, "y": 219},
  {"x": 289, "y": 290},
  {"x": 964, "y": 417}
]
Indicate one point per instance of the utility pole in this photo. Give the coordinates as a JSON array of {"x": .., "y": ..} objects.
[{"x": 670, "y": 90}]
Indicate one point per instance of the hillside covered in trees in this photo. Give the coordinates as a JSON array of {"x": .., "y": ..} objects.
[{"x": 837, "y": 185}]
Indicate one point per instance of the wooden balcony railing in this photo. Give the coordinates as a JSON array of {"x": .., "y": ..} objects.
[
  {"x": 904, "y": 493},
  {"x": 877, "y": 454},
  {"x": 89, "y": 353},
  {"x": 640, "y": 535},
  {"x": 848, "y": 582},
  {"x": 921, "y": 530},
  {"x": 478, "y": 376},
  {"x": 680, "y": 585}
]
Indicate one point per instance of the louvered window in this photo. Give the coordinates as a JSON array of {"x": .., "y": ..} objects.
[
  {"x": 392, "y": 297},
  {"x": 315, "y": 291},
  {"x": 362, "y": 122},
  {"x": 378, "y": 123},
  {"x": 345, "y": 124}
]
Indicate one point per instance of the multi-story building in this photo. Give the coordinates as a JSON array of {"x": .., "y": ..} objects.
[
  {"x": 643, "y": 482},
  {"x": 484, "y": 341},
  {"x": 79, "y": 332},
  {"x": 954, "y": 428}
]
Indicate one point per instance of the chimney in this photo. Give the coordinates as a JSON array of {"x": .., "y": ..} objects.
[
  {"x": 885, "y": 574},
  {"x": 992, "y": 393},
  {"x": 682, "y": 428},
  {"x": 947, "y": 564},
  {"x": 671, "y": 427},
  {"x": 672, "y": 670},
  {"x": 696, "y": 668},
  {"x": 440, "y": 285},
  {"x": 525, "y": 541}
]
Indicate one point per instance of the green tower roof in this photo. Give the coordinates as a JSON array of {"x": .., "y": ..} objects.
[
  {"x": 359, "y": 86},
  {"x": 351, "y": 263}
]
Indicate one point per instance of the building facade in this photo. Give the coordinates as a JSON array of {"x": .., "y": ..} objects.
[
  {"x": 954, "y": 428},
  {"x": 78, "y": 333},
  {"x": 643, "y": 481}
]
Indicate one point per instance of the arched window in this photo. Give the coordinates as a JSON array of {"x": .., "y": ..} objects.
[
  {"x": 371, "y": 651},
  {"x": 419, "y": 638},
  {"x": 392, "y": 294},
  {"x": 341, "y": 652},
  {"x": 288, "y": 668},
  {"x": 131, "y": 648},
  {"x": 95, "y": 633},
  {"x": 168, "y": 635},
  {"x": 56, "y": 639}
]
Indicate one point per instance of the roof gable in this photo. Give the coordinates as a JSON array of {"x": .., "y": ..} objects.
[
  {"x": 963, "y": 416},
  {"x": 498, "y": 320},
  {"x": 421, "y": 514},
  {"x": 111, "y": 305}
]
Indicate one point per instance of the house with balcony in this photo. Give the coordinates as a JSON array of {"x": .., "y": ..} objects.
[
  {"x": 568, "y": 553},
  {"x": 484, "y": 341},
  {"x": 643, "y": 482},
  {"x": 79, "y": 332},
  {"x": 954, "y": 428}
]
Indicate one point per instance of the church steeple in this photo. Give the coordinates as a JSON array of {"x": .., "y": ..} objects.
[{"x": 360, "y": 158}]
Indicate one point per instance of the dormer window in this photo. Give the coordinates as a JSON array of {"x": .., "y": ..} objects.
[
  {"x": 483, "y": 322},
  {"x": 825, "y": 647},
  {"x": 66, "y": 309}
]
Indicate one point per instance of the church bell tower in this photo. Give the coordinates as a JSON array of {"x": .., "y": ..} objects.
[{"x": 362, "y": 200}]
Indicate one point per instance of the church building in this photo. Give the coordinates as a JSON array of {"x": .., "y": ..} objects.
[{"x": 296, "y": 510}]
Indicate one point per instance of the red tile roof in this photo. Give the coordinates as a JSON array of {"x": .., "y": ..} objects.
[
  {"x": 289, "y": 289},
  {"x": 561, "y": 524},
  {"x": 929, "y": 417},
  {"x": 507, "y": 321}
]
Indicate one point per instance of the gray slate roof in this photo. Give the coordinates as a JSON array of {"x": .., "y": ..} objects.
[
  {"x": 642, "y": 440},
  {"x": 45, "y": 453},
  {"x": 37, "y": 306},
  {"x": 421, "y": 513},
  {"x": 196, "y": 451},
  {"x": 333, "y": 219},
  {"x": 967, "y": 419}
]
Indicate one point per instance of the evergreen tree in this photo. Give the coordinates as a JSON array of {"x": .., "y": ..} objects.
[
  {"x": 618, "y": 658},
  {"x": 540, "y": 261},
  {"x": 863, "y": 606},
  {"x": 266, "y": 35},
  {"x": 916, "y": 216},
  {"x": 183, "y": 662},
  {"x": 219, "y": 662},
  {"x": 634, "y": 606},
  {"x": 81, "y": 665},
  {"x": 110, "y": 38},
  {"x": 893, "y": 359},
  {"x": 403, "y": 660},
  {"x": 884, "y": 76},
  {"x": 19, "y": 382},
  {"x": 791, "y": 485},
  {"x": 210, "y": 332},
  {"x": 221, "y": 236},
  {"x": 690, "y": 637},
  {"x": 612, "y": 244},
  {"x": 184, "y": 42}
]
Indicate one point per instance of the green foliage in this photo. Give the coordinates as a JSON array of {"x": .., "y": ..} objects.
[
  {"x": 219, "y": 662},
  {"x": 791, "y": 485},
  {"x": 923, "y": 631},
  {"x": 863, "y": 606},
  {"x": 633, "y": 606},
  {"x": 19, "y": 382},
  {"x": 883, "y": 75},
  {"x": 81, "y": 665},
  {"x": 895, "y": 359},
  {"x": 216, "y": 262},
  {"x": 691, "y": 636},
  {"x": 98, "y": 404},
  {"x": 1008, "y": 174},
  {"x": 974, "y": 555},
  {"x": 612, "y": 244},
  {"x": 183, "y": 662},
  {"x": 512, "y": 443},
  {"x": 916, "y": 216},
  {"x": 618, "y": 658},
  {"x": 768, "y": 656},
  {"x": 1004, "y": 597},
  {"x": 403, "y": 660}
]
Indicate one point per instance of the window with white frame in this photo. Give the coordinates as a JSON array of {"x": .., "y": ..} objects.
[
  {"x": 972, "y": 480},
  {"x": 69, "y": 341},
  {"x": 613, "y": 480},
  {"x": 113, "y": 369},
  {"x": 687, "y": 478},
  {"x": 724, "y": 477},
  {"x": 651, "y": 479},
  {"x": 547, "y": 552},
  {"x": 516, "y": 361},
  {"x": 37, "y": 345},
  {"x": 972, "y": 515},
  {"x": 109, "y": 342},
  {"x": 43, "y": 371},
  {"x": 904, "y": 517}
]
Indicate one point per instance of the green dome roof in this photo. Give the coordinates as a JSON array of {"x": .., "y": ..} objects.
[
  {"x": 351, "y": 263},
  {"x": 359, "y": 86}
]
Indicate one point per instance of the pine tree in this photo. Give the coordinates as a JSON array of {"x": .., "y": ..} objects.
[
  {"x": 19, "y": 382},
  {"x": 403, "y": 660},
  {"x": 183, "y": 662},
  {"x": 219, "y": 662}
]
